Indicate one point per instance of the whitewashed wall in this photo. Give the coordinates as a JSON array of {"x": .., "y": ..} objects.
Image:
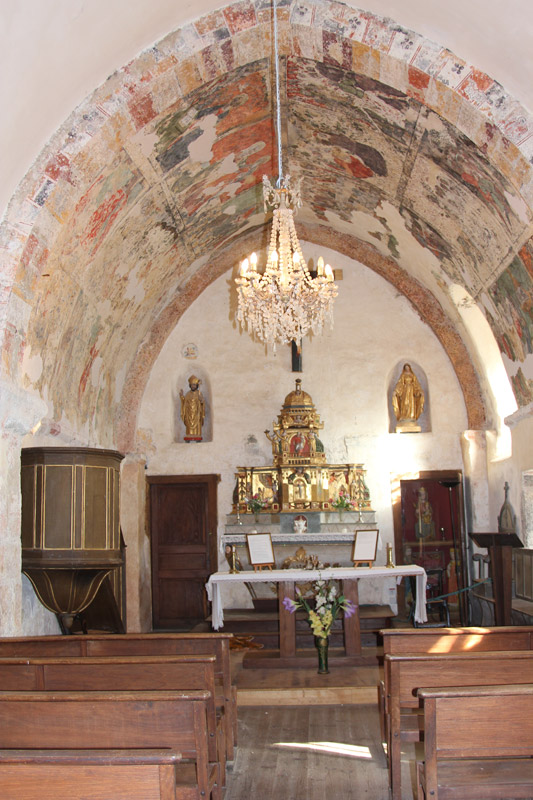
[{"x": 346, "y": 372}]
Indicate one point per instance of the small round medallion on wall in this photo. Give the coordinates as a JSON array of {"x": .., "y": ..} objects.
[{"x": 189, "y": 351}]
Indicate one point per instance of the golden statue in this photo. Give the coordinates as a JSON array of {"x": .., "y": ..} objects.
[
  {"x": 408, "y": 400},
  {"x": 193, "y": 410}
]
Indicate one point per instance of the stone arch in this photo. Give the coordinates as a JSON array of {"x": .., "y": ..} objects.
[
  {"x": 422, "y": 300},
  {"x": 118, "y": 116}
]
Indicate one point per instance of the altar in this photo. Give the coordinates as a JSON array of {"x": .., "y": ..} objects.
[
  {"x": 312, "y": 512},
  {"x": 287, "y": 579}
]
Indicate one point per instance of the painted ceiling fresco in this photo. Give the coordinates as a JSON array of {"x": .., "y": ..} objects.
[{"x": 153, "y": 189}]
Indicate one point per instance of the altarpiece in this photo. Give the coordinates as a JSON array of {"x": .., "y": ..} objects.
[{"x": 299, "y": 479}]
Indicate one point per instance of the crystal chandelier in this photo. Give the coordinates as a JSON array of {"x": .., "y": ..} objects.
[{"x": 284, "y": 302}]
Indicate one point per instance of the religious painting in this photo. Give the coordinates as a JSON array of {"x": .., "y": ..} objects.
[
  {"x": 430, "y": 530},
  {"x": 299, "y": 445}
]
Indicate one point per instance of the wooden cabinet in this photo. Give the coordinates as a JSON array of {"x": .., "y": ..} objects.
[{"x": 429, "y": 530}]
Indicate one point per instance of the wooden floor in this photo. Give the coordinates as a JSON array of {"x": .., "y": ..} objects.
[{"x": 299, "y": 739}]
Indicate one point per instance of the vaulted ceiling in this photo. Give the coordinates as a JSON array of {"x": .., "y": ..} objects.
[{"x": 412, "y": 161}]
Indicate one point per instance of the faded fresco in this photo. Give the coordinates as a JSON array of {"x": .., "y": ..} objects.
[
  {"x": 511, "y": 316},
  {"x": 374, "y": 143},
  {"x": 122, "y": 221}
]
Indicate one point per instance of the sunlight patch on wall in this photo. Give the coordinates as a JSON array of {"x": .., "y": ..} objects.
[{"x": 489, "y": 354}]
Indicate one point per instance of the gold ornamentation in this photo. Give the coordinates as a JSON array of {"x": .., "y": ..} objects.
[
  {"x": 300, "y": 480},
  {"x": 300, "y": 560},
  {"x": 193, "y": 410},
  {"x": 408, "y": 401}
]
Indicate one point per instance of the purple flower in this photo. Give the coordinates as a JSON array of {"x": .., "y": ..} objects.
[
  {"x": 349, "y": 608},
  {"x": 290, "y": 605}
]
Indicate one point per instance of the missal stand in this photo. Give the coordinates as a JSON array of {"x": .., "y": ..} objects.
[{"x": 500, "y": 546}]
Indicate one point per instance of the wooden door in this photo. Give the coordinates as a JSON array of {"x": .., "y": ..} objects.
[{"x": 183, "y": 528}]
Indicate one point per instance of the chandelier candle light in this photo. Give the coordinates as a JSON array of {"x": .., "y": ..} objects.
[{"x": 285, "y": 302}]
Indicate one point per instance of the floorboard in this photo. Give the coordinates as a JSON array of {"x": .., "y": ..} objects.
[
  {"x": 310, "y": 753},
  {"x": 309, "y": 749}
]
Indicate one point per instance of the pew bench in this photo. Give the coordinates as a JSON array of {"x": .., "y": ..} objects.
[
  {"x": 408, "y": 674},
  {"x": 92, "y": 775},
  {"x": 153, "y": 644},
  {"x": 122, "y": 673},
  {"x": 410, "y": 641},
  {"x": 113, "y": 720},
  {"x": 478, "y": 742},
  {"x": 431, "y": 641}
]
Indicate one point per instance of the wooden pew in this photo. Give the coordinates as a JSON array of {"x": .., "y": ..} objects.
[
  {"x": 413, "y": 641},
  {"x": 409, "y": 641},
  {"x": 114, "y": 720},
  {"x": 121, "y": 673},
  {"x": 91, "y": 775},
  {"x": 478, "y": 742},
  {"x": 143, "y": 644},
  {"x": 408, "y": 674}
]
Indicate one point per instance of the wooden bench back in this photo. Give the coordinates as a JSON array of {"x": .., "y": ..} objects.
[
  {"x": 407, "y": 641},
  {"x": 141, "y": 644},
  {"x": 498, "y": 721},
  {"x": 90, "y": 775},
  {"x": 109, "y": 720},
  {"x": 123, "y": 673},
  {"x": 410, "y": 673},
  {"x": 128, "y": 644}
]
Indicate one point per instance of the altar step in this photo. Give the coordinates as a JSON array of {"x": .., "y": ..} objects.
[{"x": 262, "y": 627}]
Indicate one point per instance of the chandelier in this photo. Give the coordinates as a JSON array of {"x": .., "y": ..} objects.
[{"x": 285, "y": 301}]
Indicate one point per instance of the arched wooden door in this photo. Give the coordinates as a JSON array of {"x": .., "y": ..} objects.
[{"x": 183, "y": 529}]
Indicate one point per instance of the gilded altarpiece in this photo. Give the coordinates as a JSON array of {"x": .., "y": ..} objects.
[{"x": 299, "y": 479}]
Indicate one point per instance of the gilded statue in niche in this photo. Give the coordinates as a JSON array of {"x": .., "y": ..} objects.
[
  {"x": 193, "y": 410},
  {"x": 408, "y": 400}
]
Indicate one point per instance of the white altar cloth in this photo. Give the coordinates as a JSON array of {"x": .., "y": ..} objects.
[{"x": 305, "y": 575}]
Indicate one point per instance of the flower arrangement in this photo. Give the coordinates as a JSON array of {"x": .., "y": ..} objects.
[
  {"x": 327, "y": 606},
  {"x": 343, "y": 502},
  {"x": 255, "y": 503}
]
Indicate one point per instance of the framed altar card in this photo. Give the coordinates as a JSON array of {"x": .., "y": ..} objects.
[
  {"x": 260, "y": 550},
  {"x": 365, "y": 547}
]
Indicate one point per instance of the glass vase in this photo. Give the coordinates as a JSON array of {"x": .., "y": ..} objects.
[{"x": 322, "y": 645}]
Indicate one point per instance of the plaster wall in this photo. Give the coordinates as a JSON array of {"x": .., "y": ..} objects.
[
  {"x": 20, "y": 610},
  {"x": 513, "y": 471},
  {"x": 346, "y": 371}
]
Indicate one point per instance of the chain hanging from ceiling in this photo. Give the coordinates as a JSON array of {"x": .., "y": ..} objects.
[{"x": 284, "y": 302}]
